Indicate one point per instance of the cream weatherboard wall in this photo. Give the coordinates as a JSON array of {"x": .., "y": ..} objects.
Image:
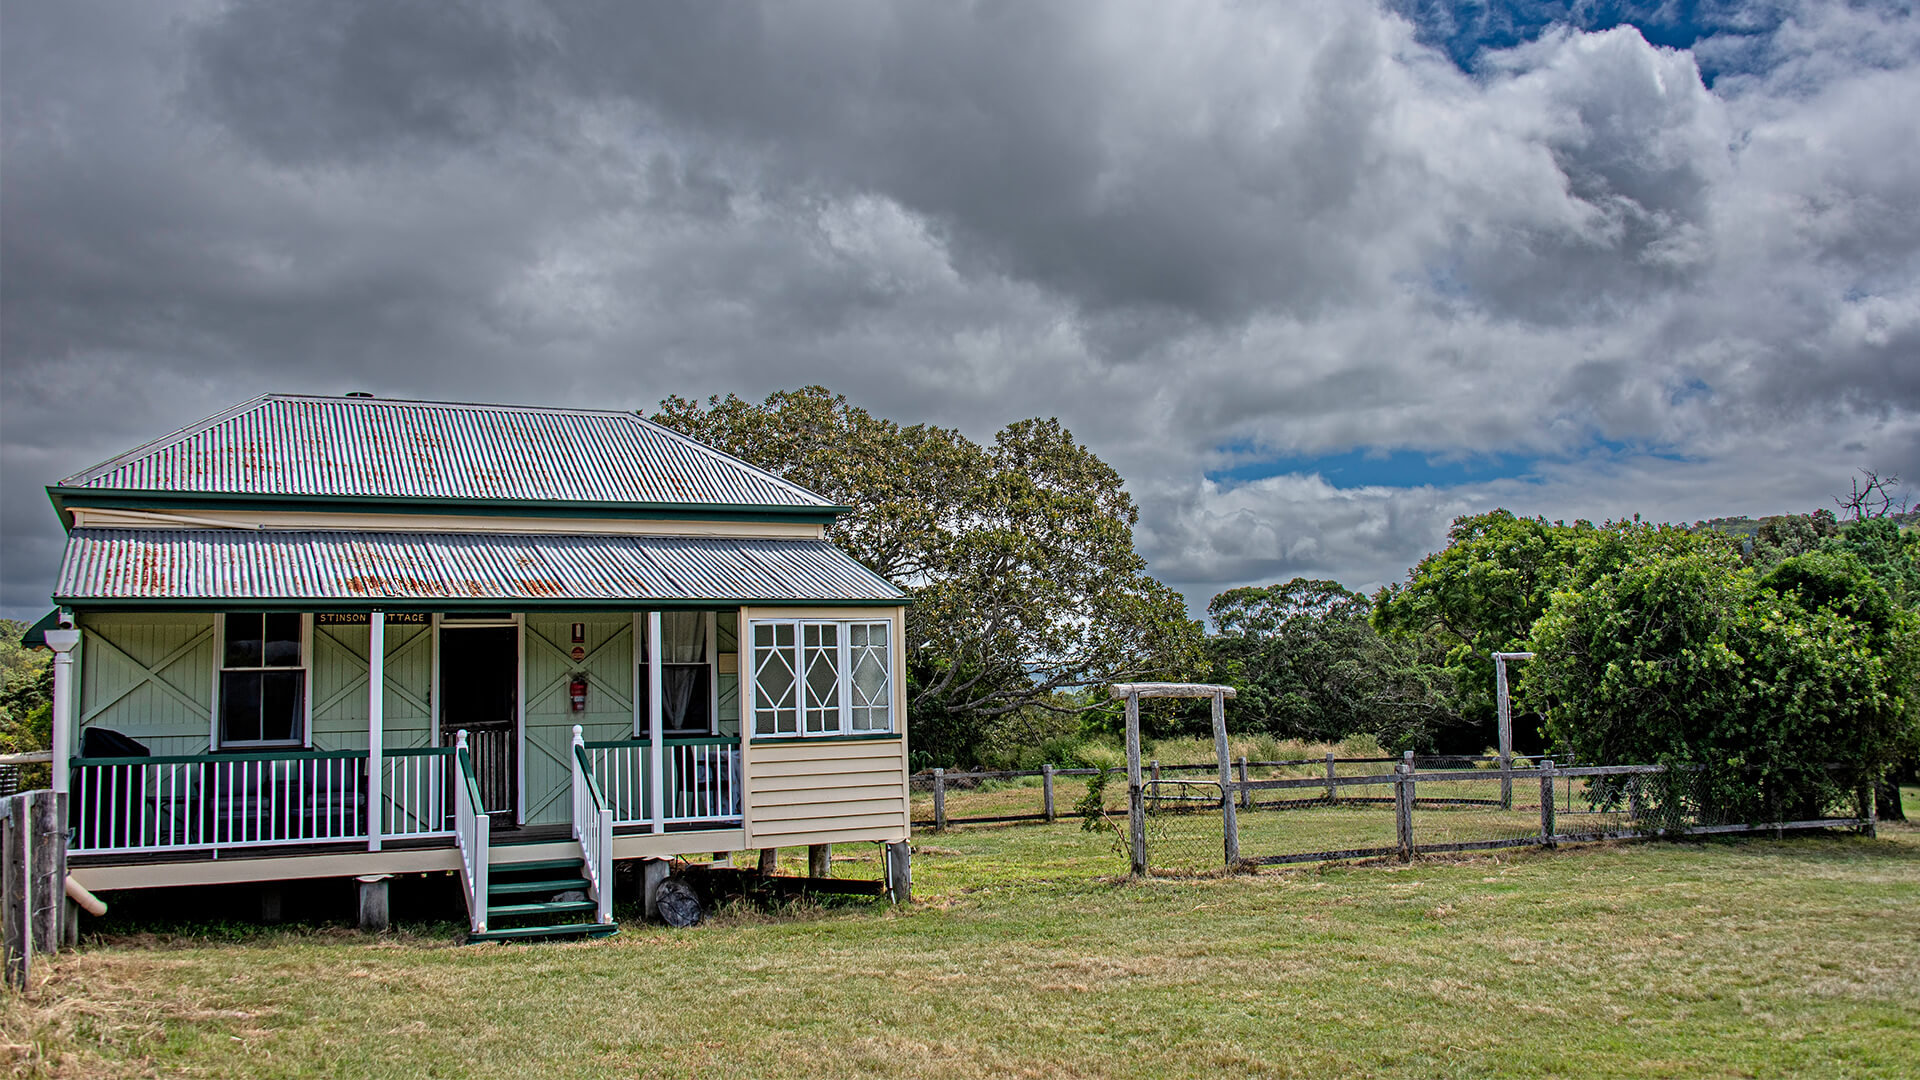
[
  {"x": 829, "y": 790},
  {"x": 546, "y": 754},
  {"x": 826, "y": 791}
]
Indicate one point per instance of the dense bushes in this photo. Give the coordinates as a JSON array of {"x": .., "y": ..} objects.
[{"x": 1689, "y": 659}]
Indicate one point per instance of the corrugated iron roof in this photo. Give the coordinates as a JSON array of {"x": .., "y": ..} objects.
[
  {"x": 239, "y": 565},
  {"x": 289, "y": 445}
]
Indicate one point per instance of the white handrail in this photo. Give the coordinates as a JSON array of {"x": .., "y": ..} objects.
[
  {"x": 593, "y": 829},
  {"x": 472, "y": 831}
]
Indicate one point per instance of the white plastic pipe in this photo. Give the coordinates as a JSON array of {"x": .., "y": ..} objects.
[{"x": 88, "y": 902}]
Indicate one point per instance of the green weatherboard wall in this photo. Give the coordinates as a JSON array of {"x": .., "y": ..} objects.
[{"x": 608, "y": 664}]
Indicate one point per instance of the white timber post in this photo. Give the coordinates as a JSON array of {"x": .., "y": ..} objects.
[
  {"x": 376, "y": 731},
  {"x": 63, "y": 642},
  {"x": 1230, "y": 822},
  {"x": 656, "y": 731},
  {"x": 1506, "y": 723}
]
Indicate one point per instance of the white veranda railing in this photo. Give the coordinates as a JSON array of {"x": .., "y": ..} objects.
[
  {"x": 215, "y": 801},
  {"x": 703, "y": 779}
]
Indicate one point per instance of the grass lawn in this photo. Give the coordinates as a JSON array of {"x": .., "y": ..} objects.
[{"x": 1024, "y": 955}]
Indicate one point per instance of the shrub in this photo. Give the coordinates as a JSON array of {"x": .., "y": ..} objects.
[{"x": 1691, "y": 660}]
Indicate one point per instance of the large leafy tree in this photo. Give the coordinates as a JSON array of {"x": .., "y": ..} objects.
[
  {"x": 1309, "y": 665},
  {"x": 1482, "y": 593},
  {"x": 1686, "y": 658},
  {"x": 26, "y": 689},
  {"x": 1018, "y": 554}
]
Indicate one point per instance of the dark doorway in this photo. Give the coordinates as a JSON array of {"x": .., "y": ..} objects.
[{"x": 480, "y": 691}]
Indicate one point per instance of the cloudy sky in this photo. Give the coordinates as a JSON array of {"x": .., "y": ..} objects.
[{"x": 1316, "y": 277}]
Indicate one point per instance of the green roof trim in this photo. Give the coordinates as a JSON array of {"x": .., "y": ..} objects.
[
  {"x": 134, "y": 499},
  {"x": 35, "y": 636}
]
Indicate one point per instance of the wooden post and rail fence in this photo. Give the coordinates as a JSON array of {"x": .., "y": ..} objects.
[
  {"x": 941, "y": 784},
  {"x": 41, "y": 903}
]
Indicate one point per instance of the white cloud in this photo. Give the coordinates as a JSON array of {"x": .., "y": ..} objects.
[{"x": 1192, "y": 231}]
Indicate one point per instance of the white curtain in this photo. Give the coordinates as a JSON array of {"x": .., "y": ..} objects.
[
  {"x": 683, "y": 637},
  {"x": 683, "y": 640}
]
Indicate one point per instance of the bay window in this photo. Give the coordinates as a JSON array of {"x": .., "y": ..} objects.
[{"x": 821, "y": 677}]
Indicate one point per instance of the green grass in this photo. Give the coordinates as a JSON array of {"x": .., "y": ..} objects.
[{"x": 1025, "y": 955}]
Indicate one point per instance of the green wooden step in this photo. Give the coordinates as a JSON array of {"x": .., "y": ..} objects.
[
  {"x": 531, "y": 867},
  {"x": 568, "y": 930},
  {"x": 550, "y": 885},
  {"x": 558, "y": 907}
]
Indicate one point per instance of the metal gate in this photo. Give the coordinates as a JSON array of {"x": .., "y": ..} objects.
[{"x": 493, "y": 749}]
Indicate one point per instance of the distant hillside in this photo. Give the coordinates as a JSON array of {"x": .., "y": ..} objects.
[{"x": 1748, "y": 528}]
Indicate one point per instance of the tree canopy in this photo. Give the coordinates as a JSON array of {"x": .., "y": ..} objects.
[
  {"x": 1018, "y": 554},
  {"x": 1482, "y": 593},
  {"x": 1309, "y": 665}
]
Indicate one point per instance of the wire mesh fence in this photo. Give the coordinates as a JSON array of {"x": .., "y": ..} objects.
[{"x": 1185, "y": 824}]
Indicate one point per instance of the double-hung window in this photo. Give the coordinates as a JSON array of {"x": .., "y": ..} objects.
[
  {"x": 686, "y": 675},
  {"x": 821, "y": 677},
  {"x": 263, "y": 680}
]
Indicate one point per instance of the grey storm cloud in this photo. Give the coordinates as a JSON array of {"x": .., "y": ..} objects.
[{"x": 1208, "y": 235}]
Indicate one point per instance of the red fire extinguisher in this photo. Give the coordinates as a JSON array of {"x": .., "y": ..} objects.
[{"x": 577, "y": 693}]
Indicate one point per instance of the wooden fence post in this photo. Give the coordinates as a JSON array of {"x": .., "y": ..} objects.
[
  {"x": 1868, "y": 811},
  {"x": 1331, "y": 797},
  {"x": 1229, "y": 819},
  {"x": 939, "y": 799},
  {"x": 1136, "y": 792},
  {"x": 1546, "y": 802},
  {"x": 49, "y": 871},
  {"x": 1246, "y": 793},
  {"x": 16, "y": 860},
  {"x": 899, "y": 858},
  {"x": 1156, "y": 776},
  {"x": 1046, "y": 790},
  {"x": 1403, "y": 808}
]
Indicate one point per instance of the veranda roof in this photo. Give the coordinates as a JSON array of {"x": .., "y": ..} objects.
[{"x": 214, "y": 567}]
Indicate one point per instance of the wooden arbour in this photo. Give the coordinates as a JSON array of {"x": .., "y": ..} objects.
[{"x": 1136, "y": 789}]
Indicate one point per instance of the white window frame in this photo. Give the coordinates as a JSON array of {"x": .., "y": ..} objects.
[
  {"x": 305, "y": 741},
  {"x": 750, "y": 710}
]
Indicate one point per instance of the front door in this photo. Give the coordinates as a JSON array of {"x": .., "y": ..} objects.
[{"x": 480, "y": 692}]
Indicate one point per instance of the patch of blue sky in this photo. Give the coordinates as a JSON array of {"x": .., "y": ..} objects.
[
  {"x": 1691, "y": 390},
  {"x": 1465, "y": 30},
  {"x": 1378, "y": 468},
  {"x": 1402, "y": 468}
]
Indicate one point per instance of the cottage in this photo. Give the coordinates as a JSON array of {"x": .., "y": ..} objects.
[{"x": 316, "y": 637}]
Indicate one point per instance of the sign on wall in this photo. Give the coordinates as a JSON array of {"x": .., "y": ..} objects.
[{"x": 360, "y": 618}]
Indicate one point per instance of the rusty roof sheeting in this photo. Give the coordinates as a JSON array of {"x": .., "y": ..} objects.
[
  {"x": 223, "y": 564},
  {"x": 373, "y": 447}
]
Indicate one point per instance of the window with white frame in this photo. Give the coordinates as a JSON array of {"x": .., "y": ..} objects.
[
  {"x": 821, "y": 677},
  {"x": 686, "y": 675},
  {"x": 263, "y": 680}
]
